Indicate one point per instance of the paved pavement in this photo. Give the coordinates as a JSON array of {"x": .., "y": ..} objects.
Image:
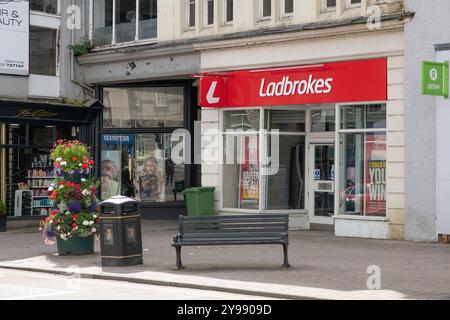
[
  {"x": 323, "y": 266},
  {"x": 24, "y": 285}
]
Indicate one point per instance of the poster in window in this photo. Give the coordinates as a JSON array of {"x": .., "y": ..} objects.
[
  {"x": 150, "y": 179},
  {"x": 249, "y": 175},
  {"x": 110, "y": 178},
  {"x": 375, "y": 204}
]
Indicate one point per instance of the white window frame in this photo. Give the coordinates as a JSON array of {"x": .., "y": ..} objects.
[
  {"x": 225, "y": 7},
  {"x": 354, "y": 5},
  {"x": 206, "y": 11},
  {"x": 337, "y": 168},
  {"x": 261, "y": 11},
  {"x": 285, "y": 14},
  {"x": 113, "y": 36},
  {"x": 326, "y": 8},
  {"x": 48, "y": 21},
  {"x": 58, "y": 10},
  {"x": 188, "y": 15},
  {"x": 161, "y": 97}
]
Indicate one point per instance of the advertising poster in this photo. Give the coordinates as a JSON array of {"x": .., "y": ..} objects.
[
  {"x": 375, "y": 175},
  {"x": 14, "y": 37},
  {"x": 249, "y": 175},
  {"x": 110, "y": 173}
]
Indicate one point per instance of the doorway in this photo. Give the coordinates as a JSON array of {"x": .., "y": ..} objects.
[{"x": 321, "y": 183}]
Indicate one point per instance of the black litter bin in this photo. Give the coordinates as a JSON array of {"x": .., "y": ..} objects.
[{"x": 120, "y": 232}]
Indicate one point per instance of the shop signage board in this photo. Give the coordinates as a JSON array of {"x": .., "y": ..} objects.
[
  {"x": 118, "y": 139},
  {"x": 348, "y": 81},
  {"x": 14, "y": 37},
  {"x": 435, "y": 78}
]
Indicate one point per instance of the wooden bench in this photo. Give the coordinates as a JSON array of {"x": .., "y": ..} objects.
[{"x": 232, "y": 230}]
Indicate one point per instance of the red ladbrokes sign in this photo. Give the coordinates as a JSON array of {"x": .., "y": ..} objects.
[{"x": 349, "y": 81}]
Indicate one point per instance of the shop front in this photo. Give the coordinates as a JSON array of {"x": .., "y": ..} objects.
[
  {"x": 307, "y": 140},
  {"x": 28, "y": 131},
  {"x": 140, "y": 129}
]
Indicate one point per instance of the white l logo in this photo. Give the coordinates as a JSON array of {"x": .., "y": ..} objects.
[{"x": 210, "y": 96}]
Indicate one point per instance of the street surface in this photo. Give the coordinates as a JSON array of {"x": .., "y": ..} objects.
[{"x": 23, "y": 285}]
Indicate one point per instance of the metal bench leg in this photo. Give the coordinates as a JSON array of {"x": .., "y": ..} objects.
[
  {"x": 179, "y": 264},
  {"x": 285, "y": 251}
]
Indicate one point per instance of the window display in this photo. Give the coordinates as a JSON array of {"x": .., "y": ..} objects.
[
  {"x": 363, "y": 161},
  {"x": 243, "y": 183},
  {"x": 139, "y": 166}
]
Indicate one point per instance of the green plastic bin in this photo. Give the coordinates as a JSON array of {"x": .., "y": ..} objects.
[{"x": 199, "y": 201}]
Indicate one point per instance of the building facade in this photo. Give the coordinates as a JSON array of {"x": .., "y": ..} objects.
[
  {"x": 151, "y": 56},
  {"x": 426, "y": 125},
  {"x": 341, "y": 155},
  {"x": 39, "y": 102}
]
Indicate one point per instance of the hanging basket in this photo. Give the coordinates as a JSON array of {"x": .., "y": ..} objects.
[{"x": 75, "y": 246}]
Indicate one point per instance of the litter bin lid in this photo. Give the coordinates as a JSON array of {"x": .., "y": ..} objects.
[
  {"x": 118, "y": 200},
  {"x": 199, "y": 189}
]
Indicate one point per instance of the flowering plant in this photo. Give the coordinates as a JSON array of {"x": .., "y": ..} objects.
[{"x": 73, "y": 193}]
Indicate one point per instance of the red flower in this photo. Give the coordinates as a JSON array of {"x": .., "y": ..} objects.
[
  {"x": 91, "y": 162},
  {"x": 53, "y": 212},
  {"x": 84, "y": 166},
  {"x": 60, "y": 141},
  {"x": 61, "y": 183},
  {"x": 93, "y": 188},
  {"x": 74, "y": 225},
  {"x": 77, "y": 186},
  {"x": 75, "y": 216},
  {"x": 74, "y": 158}
]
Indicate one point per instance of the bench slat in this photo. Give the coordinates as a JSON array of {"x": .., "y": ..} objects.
[
  {"x": 200, "y": 229},
  {"x": 233, "y": 234}
]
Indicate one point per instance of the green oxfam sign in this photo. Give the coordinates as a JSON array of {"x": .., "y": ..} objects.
[{"x": 435, "y": 78}]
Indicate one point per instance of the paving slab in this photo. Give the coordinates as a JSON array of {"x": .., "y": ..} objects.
[{"x": 322, "y": 266}]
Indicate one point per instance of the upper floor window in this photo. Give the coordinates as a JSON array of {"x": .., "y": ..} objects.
[
  {"x": 43, "y": 58},
  {"x": 46, "y": 6},
  {"x": 329, "y": 4},
  {"x": 353, "y": 3},
  {"x": 228, "y": 10},
  {"x": 287, "y": 7},
  {"x": 190, "y": 6},
  {"x": 265, "y": 9},
  {"x": 116, "y": 21},
  {"x": 209, "y": 12}
]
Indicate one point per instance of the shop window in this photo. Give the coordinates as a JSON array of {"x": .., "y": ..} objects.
[
  {"x": 42, "y": 51},
  {"x": 26, "y": 169},
  {"x": 130, "y": 22},
  {"x": 244, "y": 180},
  {"x": 323, "y": 120},
  {"x": 241, "y": 120},
  {"x": 362, "y": 183},
  {"x": 140, "y": 107},
  {"x": 140, "y": 166},
  {"x": 228, "y": 11},
  {"x": 46, "y": 6},
  {"x": 368, "y": 117}
]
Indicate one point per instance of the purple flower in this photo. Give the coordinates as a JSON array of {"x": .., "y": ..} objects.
[{"x": 74, "y": 207}]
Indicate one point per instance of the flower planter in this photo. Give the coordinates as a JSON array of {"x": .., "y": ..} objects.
[
  {"x": 2, "y": 223},
  {"x": 75, "y": 246}
]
